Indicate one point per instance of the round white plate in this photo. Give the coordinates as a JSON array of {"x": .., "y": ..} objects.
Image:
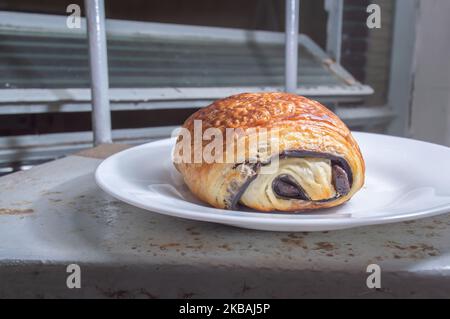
[{"x": 405, "y": 180}]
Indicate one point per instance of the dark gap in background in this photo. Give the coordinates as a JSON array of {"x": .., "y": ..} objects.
[{"x": 77, "y": 122}]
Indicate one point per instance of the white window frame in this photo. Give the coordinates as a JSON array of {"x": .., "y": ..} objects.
[{"x": 397, "y": 108}]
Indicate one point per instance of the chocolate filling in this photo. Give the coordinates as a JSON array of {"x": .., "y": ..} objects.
[
  {"x": 340, "y": 180},
  {"x": 285, "y": 185}
]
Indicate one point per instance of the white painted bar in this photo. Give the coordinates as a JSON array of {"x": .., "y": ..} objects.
[
  {"x": 144, "y": 94},
  {"x": 401, "y": 77},
  {"x": 291, "y": 54},
  {"x": 335, "y": 9},
  {"x": 15, "y": 21},
  {"x": 101, "y": 115}
]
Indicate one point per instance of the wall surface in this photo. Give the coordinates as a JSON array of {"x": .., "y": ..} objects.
[{"x": 430, "y": 110}]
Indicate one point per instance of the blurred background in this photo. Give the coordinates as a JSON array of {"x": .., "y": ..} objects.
[{"x": 168, "y": 58}]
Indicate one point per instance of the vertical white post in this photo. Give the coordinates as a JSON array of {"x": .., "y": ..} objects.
[
  {"x": 403, "y": 56},
  {"x": 335, "y": 9},
  {"x": 101, "y": 115},
  {"x": 291, "y": 53}
]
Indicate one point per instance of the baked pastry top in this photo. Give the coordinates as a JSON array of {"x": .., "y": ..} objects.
[{"x": 277, "y": 152}]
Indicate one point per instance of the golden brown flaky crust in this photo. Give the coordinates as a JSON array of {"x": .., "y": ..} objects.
[{"x": 301, "y": 124}]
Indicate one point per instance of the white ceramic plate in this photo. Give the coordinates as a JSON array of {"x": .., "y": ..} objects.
[{"x": 405, "y": 180}]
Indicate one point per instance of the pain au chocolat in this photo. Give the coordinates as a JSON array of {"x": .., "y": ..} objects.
[{"x": 304, "y": 156}]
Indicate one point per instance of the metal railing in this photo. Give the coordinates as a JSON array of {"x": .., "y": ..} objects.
[
  {"x": 291, "y": 52},
  {"x": 95, "y": 13},
  {"x": 101, "y": 113}
]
